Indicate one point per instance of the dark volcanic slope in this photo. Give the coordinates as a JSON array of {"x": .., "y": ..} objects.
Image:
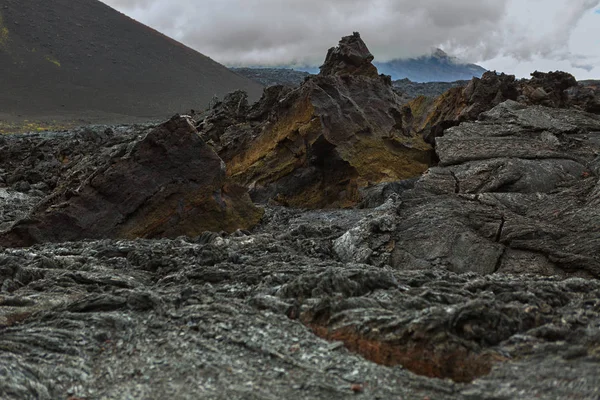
[{"x": 66, "y": 57}]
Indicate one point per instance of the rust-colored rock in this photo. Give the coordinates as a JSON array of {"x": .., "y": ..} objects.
[
  {"x": 165, "y": 184},
  {"x": 317, "y": 145},
  {"x": 444, "y": 360}
]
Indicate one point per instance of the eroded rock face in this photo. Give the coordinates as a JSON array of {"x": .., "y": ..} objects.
[
  {"x": 165, "y": 183},
  {"x": 548, "y": 89},
  {"x": 553, "y": 89},
  {"x": 515, "y": 192},
  {"x": 319, "y": 144},
  {"x": 586, "y": 95}
]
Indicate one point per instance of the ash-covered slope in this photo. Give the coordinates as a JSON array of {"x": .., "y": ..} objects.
[{"x": 70, "y": 57}]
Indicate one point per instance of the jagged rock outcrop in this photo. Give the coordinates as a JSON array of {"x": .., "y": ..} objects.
[
  {"x": 548, "y": 89},
  {"x": 317, "y": 145},
  {"x": 586, "y": 96},
  {"x": 350, "y": 57},
  {"x": 166, "y": 183},
  {"x": 461, "y": 104},
  {"x": 552, "y": 89}
]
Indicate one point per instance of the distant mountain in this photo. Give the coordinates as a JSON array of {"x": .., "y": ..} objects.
[
  {"x": 438, "y": 67},
  {"x": 66, "y": 56}
]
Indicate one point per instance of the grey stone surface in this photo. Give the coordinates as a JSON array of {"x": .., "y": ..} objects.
[{"x": 516, "y": 191}]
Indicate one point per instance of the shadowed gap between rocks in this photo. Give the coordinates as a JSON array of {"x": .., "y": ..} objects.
[
  {"x": 323, "y": 172},
  {"x": 456, "y": 363}
]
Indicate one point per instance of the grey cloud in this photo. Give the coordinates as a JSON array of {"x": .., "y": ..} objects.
[
  {"x": 277, "y": 32},
  {"x": 586, "y": 67},
  {"x": 555, "y": 44}
]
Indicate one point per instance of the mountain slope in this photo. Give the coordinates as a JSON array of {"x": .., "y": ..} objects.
[
  {"x": 439, "y": 67},
  {"x": 68, "y": 57}
]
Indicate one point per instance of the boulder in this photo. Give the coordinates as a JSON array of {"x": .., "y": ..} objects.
[
  {"x": 585, "y": 96},
  {"x": 165, "y": 183},
  {"x": 548, "y": 89}
]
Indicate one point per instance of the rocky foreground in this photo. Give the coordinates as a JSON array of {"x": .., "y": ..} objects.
[{"x": 133, "y": 264}]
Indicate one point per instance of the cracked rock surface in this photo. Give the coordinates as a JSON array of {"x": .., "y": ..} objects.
[{"x": 515, "y": 192}]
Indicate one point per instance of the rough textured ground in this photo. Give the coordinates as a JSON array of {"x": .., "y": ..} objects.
[
  {"x": 71, "y": 57},
  {"x": 406, "y": 300},
  {"x": 475, "y": 280},
  {"x": 234, "y": 317}
]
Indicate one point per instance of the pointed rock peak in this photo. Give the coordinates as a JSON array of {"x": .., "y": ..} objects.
[
  {"x": 351, "y": 56},
  {"x": 439, "y": 53}
]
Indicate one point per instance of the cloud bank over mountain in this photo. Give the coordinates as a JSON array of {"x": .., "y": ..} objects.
[{"x": 499, "y": 33}]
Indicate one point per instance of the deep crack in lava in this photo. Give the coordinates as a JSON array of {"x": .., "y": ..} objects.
[{"x": 454, "y": 362}]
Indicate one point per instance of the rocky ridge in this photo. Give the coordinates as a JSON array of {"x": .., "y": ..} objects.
[{"x": 553, "y": 89}]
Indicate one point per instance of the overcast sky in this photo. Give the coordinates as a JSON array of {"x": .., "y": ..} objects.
[{"x": 513, "y": 36}]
